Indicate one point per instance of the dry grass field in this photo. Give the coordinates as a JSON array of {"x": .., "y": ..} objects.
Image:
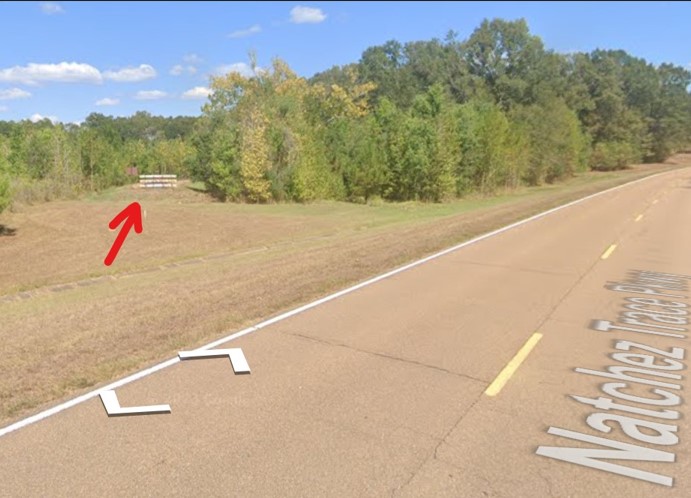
[{"x": 202, "y": 269}]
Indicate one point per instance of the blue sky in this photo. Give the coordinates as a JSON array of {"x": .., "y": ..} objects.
[{"x": 65, "y": 60}]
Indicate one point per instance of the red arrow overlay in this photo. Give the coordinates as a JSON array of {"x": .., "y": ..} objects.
[{"x": 132, "y": 216}]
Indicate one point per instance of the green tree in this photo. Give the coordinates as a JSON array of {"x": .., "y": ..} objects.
[
  {"x": 386, "y": 67},
  {"x": 5, "y": 197},
  {"x": 507, "y": 58},
  {"x": 99, "y": 161},
  {"x": 557, "y": 147},
  {"x": 618, "y": 130},
  {"x": 355, "y": 149},
  {"x": 671, "y": 114},
  {"x": 486, "y": 142},
  {"x": 5, "y": 194}
]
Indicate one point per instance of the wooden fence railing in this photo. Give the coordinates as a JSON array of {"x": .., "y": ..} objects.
[{"x": 158, "y": 181}]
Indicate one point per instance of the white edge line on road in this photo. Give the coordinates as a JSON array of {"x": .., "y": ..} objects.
[{"x": 144, "y": 373}]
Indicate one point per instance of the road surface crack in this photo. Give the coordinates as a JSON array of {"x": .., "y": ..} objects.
[
  {"x": 434, "y": 454},
  {"x": 384, "y": 355},
  {"x": 519, "y": 269}
]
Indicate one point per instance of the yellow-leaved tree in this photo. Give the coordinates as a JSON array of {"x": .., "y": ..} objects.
[
  {"x": 254, "y": 156},
  {"x": 280, "y": 138}
]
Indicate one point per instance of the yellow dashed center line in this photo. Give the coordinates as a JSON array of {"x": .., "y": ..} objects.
[
  {"x": 609, "y": 251},
  {"x": 511, "y": 367},
  {"x": 639, "y": 217}
]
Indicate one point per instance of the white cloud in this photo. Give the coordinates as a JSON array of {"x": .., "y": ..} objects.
[
  {"x": 35, "y": 118},
  {"x": 150, "y": 95},
  {"x": 51, "y": 8},
  {"x": 131, "y": 74},
  {"x": 189, "y": 66},
  {"x": 238, "y": 67},
  {"x": 107, "y": 101},
  {"x": 73, "y": 72},
  {"x": 242, "y": 33},
  {"x": 179, "y": 69},
  {"x": 64, "y": 72},
  {"x": 13, "y": 94},
  {"x": 302, "y": 15},
  {"x": 198, "y": 92},
  {"x": 4, "y": 108},
  {"x": 192, "y": 59}
]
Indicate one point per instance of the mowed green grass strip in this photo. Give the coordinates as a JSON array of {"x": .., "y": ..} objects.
[{"x": 265, "y": 259}]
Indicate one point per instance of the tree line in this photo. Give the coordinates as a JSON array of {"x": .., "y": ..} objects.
[
  {"x": 44, "y": 161},
  {"x": 424, "y": 120}
]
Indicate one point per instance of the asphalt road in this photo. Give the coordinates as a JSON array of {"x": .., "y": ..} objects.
[{"x": 453, "y": 378}]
